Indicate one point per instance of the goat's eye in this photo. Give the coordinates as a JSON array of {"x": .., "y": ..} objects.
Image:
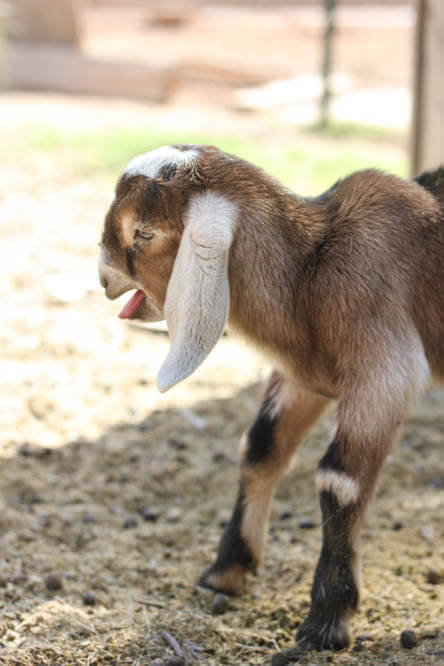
[{"x": 143, "y": 235}]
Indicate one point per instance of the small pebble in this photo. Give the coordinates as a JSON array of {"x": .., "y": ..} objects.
[
  {"x": 178, "y": 444},
  {"x": 289, "y": 656},
  {"x": 359, "y": 642},
  {"x": 174, "y": 661},
  {"x": 408, "y": 639},
  {"x": 219, "y": 604},
  {"x": 157, "y": 662},
  {"x": 428, "y": 532},
  {"x": 26, "y": 450},
  {"x": 397, "y": 525},
  {"x": 434, "y": 577},
  {"x": 35, "y": 499},
  {"x": 88, "y": 519},
  {"x": 286, "y": 514},
  {"x": 130, "y": 522},
  {"x": 53, "y": 582},
  {"x": 150, "y": 515},
  {"x": 306, "y": 524},
  {"x": 89, "y": 599},
  {"x": 174, "y": 515},
  {"x": 220, "y": 457}
]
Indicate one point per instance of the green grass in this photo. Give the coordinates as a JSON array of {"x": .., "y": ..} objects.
[
  {"x": 340, "y": 130},
  {"x": 309, "y": 164}
]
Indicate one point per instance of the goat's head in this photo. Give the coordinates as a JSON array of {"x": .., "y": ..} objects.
[{"x": 168, "y": 236}]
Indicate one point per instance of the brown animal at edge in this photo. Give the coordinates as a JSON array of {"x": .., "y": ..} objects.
[{"x": 345, "y": 292}]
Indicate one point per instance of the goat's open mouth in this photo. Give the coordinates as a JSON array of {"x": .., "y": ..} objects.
[{"x": 133, "y": 305}]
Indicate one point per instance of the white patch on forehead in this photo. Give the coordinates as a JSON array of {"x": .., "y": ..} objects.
[{"x": 149, "y": 164}]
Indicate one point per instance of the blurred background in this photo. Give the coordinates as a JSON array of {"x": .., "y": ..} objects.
[
  {"x": 97, "y": 467},
  {"x": 309, "y": 90}
]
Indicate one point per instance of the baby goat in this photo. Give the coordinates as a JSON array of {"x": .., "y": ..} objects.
[{"x": 345, "y": 292}]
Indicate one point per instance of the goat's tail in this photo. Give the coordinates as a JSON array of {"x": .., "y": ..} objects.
[{"x": 433, "y": 181}]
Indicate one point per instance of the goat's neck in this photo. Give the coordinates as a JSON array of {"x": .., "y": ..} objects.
[{"x": 267, "y": 259}]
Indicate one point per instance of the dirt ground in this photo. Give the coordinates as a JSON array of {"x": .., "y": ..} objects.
[{"x": 113, "y": 497}]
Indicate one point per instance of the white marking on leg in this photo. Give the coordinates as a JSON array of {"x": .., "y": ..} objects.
[
  {"x": 342, "y": 486},
  {"x": 149, "y": 164},
  {"x": 281, "y": 396},
  {"x": 243, "y": 445}
]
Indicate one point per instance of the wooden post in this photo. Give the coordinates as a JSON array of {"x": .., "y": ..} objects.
[
  {"x": 427, "y": 142},
  {"x": 44, "y": 21},
  {"x": 326, "y": 63}
]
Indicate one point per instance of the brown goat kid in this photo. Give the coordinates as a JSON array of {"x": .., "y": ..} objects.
[{"x": 344, "y": 291}]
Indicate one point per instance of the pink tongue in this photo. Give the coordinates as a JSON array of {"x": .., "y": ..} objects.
[{"x": 133, "y": 305}]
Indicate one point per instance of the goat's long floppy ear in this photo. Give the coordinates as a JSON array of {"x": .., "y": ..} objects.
[{"x": 198, "y": 297}]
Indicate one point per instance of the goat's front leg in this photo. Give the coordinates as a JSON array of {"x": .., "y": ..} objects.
[
  {"x": 285, "y": 416},
  {"x": 345, "y": 479}
]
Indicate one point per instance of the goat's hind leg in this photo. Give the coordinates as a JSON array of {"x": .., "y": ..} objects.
[
  {"x": 285, "y": 416},
  {"x": 346, "y": 477}
]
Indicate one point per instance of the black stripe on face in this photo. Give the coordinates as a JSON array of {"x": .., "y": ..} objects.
[
  {"x": 129, "y": 258},
  {"x": 260, "y": 435}
]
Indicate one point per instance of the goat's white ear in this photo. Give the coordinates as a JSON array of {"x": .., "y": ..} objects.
[{"x": 198, "y": 296}]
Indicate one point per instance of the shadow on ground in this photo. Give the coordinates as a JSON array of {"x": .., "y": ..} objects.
[{"x": 102, "y": 542}]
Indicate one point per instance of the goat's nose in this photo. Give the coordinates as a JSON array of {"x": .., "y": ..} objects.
[{"x": 103, "y": 281}]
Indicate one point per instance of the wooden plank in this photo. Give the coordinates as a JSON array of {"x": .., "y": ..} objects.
[
  {"x": 37, "y": 67},
  {"x": 427, "y": 146}
]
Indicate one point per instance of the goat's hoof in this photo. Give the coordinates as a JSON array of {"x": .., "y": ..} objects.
[
  {"x": 320, "y": 634},
  {"x": 230, "y": 580}
]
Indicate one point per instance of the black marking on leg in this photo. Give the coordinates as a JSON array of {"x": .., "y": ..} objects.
[
  {"x": 260, "y": 436},
  {"x": 334, "y": 594},
  {"x": 334, "y": 458},
  {"x": 233, "y": 549}
]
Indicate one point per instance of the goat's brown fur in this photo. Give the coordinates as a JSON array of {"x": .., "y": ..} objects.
[{"x": 346, "y": 294}]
